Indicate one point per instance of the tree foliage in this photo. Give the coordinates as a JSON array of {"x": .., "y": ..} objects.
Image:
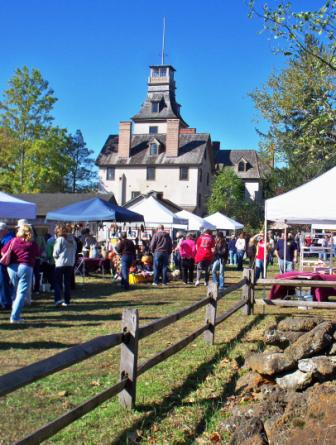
[
  {"x": 228, "y": 196},
  {"x": 81, "y": 175},
  {"x": 299, "y": 105},
  {"x": 290, "y": 28},
  {"x": 35, "y": 155}
]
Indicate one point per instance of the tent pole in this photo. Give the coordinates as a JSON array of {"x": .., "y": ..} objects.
[
  {"x": 285, "y": 248},
  {"x": 265, "y": 248}
]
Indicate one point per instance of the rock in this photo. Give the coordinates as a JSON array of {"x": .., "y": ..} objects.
[
  {"x": 281, "y": 338},
  {"x": 312, "y": 342},
  {"x": 298, "y": 324},
  {"x": 251, "y": 381},
  {"x": 270, "y": 364},
  {"x": 332, "y": 349},
  {"x": 321, "y": 365},
  {"x": 296, "y": 381},
  {"x": 250, "y": 429}
]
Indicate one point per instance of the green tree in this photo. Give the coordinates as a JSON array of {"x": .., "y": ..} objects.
[
  {"x": 299, "y": 105},
  {"x": 290, "y": 28},
  {"x": 228, "y": 196},
  {"x": 82, "y": 174},
  {"x": 25, "y": 111}
]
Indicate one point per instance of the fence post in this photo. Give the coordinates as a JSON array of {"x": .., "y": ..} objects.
[
  {"x": 129, "y": 357},
  {"x": 210, "y": 313},
  {"x": 247, "y": 292}
]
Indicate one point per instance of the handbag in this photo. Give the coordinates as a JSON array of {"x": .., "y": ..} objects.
[{"x": 6, "y": 257}]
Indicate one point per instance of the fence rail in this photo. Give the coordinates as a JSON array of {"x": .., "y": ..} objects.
[{"x": 128, "y": 339}]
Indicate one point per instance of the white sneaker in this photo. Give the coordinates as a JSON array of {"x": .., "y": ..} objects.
[
  {"x": 58, "y": 303},
  {"x": 20, "y": 320},
  {"x": 197, "y": 283},
  {"x": 154, "y": 284},
  {"x": 205, "y": 283},
  {"x": 65, "y": 304}
]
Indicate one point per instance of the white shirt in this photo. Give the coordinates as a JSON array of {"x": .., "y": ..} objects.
[{"x": 240, "y": 244}]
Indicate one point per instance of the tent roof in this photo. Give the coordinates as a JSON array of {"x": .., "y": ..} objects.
[
  {"x": 223, "y": 222},
  {"x": 308, "y": 204},
  {"x": 195, "y": 222},
  {"x": 95, "y": 209},
  {"x": 156, "y": 213},
  {"x": 11, "y": 207}
]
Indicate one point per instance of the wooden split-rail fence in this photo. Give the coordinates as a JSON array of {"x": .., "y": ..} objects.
[{"x": 129, "y": 339}]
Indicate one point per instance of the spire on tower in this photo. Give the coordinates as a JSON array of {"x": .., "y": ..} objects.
[{"x": 163, "y": 41}]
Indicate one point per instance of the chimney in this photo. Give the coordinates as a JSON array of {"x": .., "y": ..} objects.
[
  {"x": 125, "y": 134},
  {"x": 172, "y": 137}
]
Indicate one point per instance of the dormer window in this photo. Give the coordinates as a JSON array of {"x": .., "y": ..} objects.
[
  {"x": 155, "y": 107},
  {"x": 242, "y": 165},
  {"x": 153, "y": 149}
]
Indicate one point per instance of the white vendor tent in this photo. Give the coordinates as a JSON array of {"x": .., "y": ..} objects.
[
  {"x": 223, "y": 222},
  {"x": 155, "y": 213},
  {"x": 195, "y": 222},
  {"x": 15, "y": 208},
  {"x": 310, "y": 203}
]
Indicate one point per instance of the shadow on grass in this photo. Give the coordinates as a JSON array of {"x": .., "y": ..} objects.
[
  {"x": 35, "y": 345},
  {"x": 159, "y": 411}
]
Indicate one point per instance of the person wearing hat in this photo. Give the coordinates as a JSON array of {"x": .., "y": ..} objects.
[{"x": 5, "y": 291}]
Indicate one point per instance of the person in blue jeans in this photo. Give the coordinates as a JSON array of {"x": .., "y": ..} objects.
[
  {"x": 220, "y": 259},
  {"x": 126, "y": 250},
  {"x": 24, "y": 252},
  {"x": 64, "y": 254},
  {"x": 5, "y": 287},
  {"x": 161, "y": 247},
  {"x": 232, "y": 251}
]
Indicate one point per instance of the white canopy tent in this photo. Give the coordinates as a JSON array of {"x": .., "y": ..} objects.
[
  {"x": 11, "y": 207},
  {"x": 311, "y": 203},
  {"x": 155, "y": 213},
  {"x": 223, "y": 222},
  {"x": 195, "y": 222}
]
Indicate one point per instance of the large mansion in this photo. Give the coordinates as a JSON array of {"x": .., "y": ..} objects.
[{"x": 157, "y": 150}]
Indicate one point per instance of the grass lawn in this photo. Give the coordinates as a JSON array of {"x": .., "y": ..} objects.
[{"x": 179, "y": 401}]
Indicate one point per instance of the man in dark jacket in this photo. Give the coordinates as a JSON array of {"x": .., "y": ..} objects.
[
  {"x": 161, "y": 247},
  {"x": 126, "y": 250}
]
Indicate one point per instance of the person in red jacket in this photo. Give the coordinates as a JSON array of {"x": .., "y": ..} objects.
[{"x": 205, "y": 246}]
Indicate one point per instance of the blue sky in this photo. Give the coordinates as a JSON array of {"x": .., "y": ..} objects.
[{"x": 95, "y": 55}]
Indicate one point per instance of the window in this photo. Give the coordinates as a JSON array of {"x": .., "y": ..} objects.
[
  {"x": 153, "y": 149},
  {"x": 159, "y": 72},
  {"x": 134, "y": 194},
  {"x": 184, "y": 173},
  {"x": 150, "y": 173},
  {"x": 155, "y": 107},
  {"x": 153, "y": 130},
  {"x": 208, "y": 178},
  {"x": 200, "y": 175},
  {"x": 110, "y": 173},
  {"x": 241, "y": 166}
]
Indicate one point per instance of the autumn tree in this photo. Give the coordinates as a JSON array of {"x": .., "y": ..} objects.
[
  {"x": 289, "y": 28},
  {"x": 299, "y": 105}
]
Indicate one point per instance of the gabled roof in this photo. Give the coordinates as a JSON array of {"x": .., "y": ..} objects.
[
  {"x": 191, "y": 151},
  {"x": 231, "y": 158},
  {"x": 158, "y": 196},
  {"x": 47, "y": 202}
]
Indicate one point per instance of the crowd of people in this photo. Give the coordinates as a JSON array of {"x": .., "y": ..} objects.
[{"x": 25, "y": 256}]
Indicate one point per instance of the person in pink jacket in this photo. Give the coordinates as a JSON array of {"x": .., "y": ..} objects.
[{"x": 187, "y": 249}]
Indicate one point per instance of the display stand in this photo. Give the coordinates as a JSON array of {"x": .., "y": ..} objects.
[{"x": 308, "y": 263}]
